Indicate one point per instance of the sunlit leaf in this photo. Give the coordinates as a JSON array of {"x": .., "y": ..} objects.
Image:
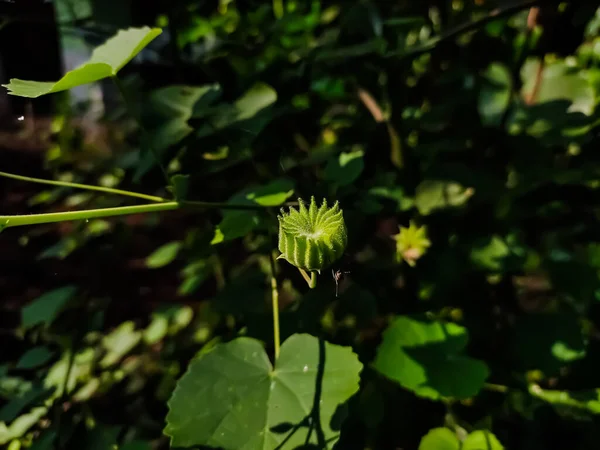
[
  {"x": 439, "y": 439},
  {"x": 105, "y": 62},
  {"x": 119, "y": 342},
  {"x": 272, "y": 194},
  {"x": 163, "y": 255},
  {"x": 427, "y": 357},
  {"x": 481, "y": 440},
  {"x": 231, "y": 397}
]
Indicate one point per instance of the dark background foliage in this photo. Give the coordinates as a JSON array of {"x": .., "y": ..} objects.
[{"x": 477, "y": 119}]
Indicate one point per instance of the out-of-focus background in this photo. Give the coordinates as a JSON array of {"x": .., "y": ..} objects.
[{"x": 476, "y": 121}]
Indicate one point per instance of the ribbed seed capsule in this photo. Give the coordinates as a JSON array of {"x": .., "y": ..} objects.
[{"x": 312, "y": 238}]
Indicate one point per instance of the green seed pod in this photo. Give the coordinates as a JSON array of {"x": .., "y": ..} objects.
[{"x": 314, "y": 238}]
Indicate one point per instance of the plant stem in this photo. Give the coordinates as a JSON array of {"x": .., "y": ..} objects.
[
  {"x": 275, "y": 300},
  {"x": 137, "y": 117},
  {"x": 88, "y": 187},
  {"x": 312, "y": 280},
  {"x": 36, "y": 219}
]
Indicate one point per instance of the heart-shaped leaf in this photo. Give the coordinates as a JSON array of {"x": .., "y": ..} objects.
[
  {"x": 231, "y": 396},
  {"x": 105, "y": 62}
]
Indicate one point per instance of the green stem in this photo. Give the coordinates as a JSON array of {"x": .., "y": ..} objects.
[
  {"x": 312, "y": 280},
  {"x": 136, "y": 116},
  {"x": 36, "y": 219},
  {"x": 82, "y": 186},
  {"x": 275, "y": 300}
]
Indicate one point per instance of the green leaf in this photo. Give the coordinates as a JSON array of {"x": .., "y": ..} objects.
[
  {"x": 427, "y": 357},
  {"x": 46, "y": 308},
  {"x": 169, "y": 110},
  {"x": 119, "y": 342},
  {"x": 494, "y": 96},
  {"x": 346, "y": 168},
  {"x": 21, "y": 424},
  {"x": 163, "y": 255},
  {"x": 179, "y": 186},
  {"x": 560, "y": 82},
  {"x": 35, "y": 357},
  {"x": 481, "y": 440},
  {"x": 105, "y": 62},
  {"x": 439, "y": 439},
  {"x": 431, "y": 195},
  {"x": 235, "y": 224},
  {"x": 272, "y": 194},
  {"x": 231, "y": 396}
]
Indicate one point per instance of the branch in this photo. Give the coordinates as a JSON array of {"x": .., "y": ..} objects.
[{"x": 466, "y": 27}]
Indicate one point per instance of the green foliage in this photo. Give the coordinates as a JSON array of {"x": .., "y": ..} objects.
[
  {"x": 105, "y": 62},
  {"x": 428, "y": 358},
  {"x": 461, "y": 142},
  {"x": 231, "y": 397},
  {"x": 44, "y": 309}
]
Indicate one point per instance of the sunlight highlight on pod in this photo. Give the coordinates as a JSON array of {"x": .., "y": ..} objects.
[{"x": 312, "y": 238}]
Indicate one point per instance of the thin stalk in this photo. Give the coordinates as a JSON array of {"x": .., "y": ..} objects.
[
  {"x": 36, "y": 219},
  {"x": 275, "y": 300},
  {"x": 136, "y": 116},
  {"x": 87, "y": 187},
  {"x": 312, "y": 280}
]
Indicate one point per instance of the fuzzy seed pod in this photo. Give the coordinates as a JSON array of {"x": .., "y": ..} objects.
[{"x": 312, "y": 239}]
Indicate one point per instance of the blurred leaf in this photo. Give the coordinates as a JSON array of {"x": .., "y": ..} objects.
[
  {"x": 166, "y": 116},
  {"x": 46, "y": 308},
  {"x": 440, "y": 439},
  {"x": 105, "y": 62},
  {"x": 346, "y": 168},
  {"x": 46, "y": 441},
  {"x": 559, "y": 82},
  {"x": 496, "y": 253},
  {"x": 33, "y": 397},
  {"x": 481, "y": 440},
  {"x": 241, "y": 397},
  {"x": 163, "y": 255},
  {"x": 495, "y": 93},
  {"x": 272, "y": 194},
  {"x": 431, "y": 195},
  {"x": 179, "y": 186},
  {"x": 35, "y": 357},
  {"x": 21, "y": 424},
  {"x": 248, "y": 106},
  {"x": 169, "y": 110},
  {"x": 427, "y": 357},
  {"x": 548, "y": 341},
  {"x": 235, "y": 224},
  {"x": 119, "y": 343}
]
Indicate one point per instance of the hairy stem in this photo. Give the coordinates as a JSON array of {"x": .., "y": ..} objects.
[
  {"x": 87, "y": 187},
  {"x": 36, "y": 219},
  {"x": 312, "y": 280},
  {"x": 275, "y": 300}
]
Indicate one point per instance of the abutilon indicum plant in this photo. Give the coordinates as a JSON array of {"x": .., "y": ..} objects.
[{"x": 312, "y": 238}]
